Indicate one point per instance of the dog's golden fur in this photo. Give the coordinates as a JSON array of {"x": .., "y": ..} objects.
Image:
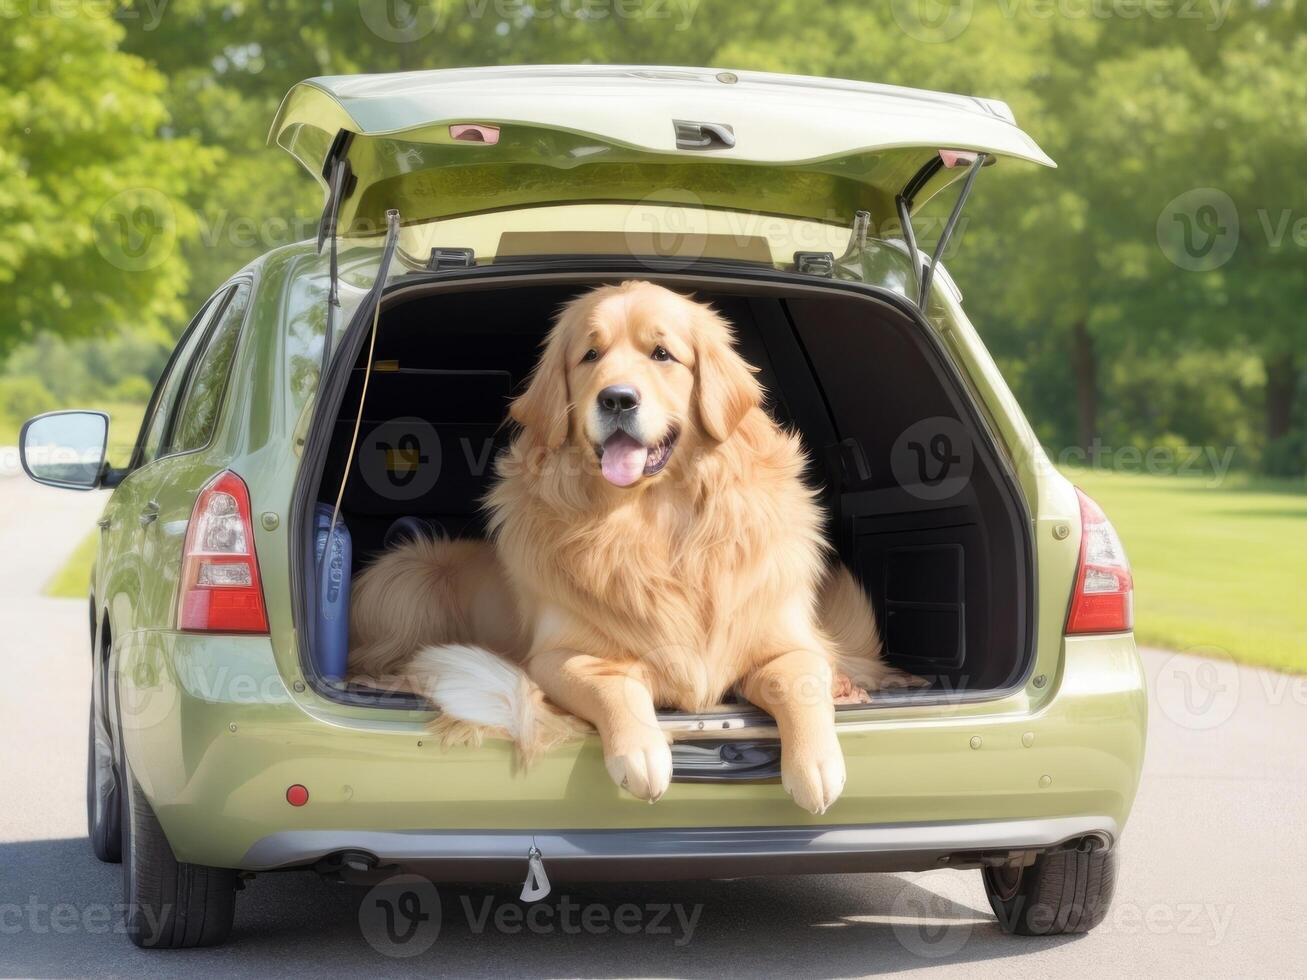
[{"x": 707, "y": 576}]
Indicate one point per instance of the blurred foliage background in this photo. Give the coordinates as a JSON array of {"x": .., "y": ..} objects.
[{"x": 1149, "y": 293}]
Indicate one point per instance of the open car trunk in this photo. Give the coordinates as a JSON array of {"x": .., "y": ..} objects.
[{"x": 921, "y": 504}]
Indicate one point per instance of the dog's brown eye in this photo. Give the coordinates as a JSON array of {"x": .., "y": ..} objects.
[
  {"x": 591, "y": 355},
  {"x": 661, "y": 354}
]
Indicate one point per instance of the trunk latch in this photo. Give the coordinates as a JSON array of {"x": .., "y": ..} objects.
[
  {"x": 815, "y": 263},
  {"x": 451, "y": 258}
]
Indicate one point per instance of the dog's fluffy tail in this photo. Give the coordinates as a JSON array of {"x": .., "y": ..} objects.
[{"x": 480, "y": 693}]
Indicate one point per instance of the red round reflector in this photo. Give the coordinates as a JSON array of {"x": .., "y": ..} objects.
[{"x": 297, "y": 795}]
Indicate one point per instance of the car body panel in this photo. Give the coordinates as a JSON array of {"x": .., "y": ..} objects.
[
  {"x": 216, "y": 738},
  {"x": 816, "y": 148}
]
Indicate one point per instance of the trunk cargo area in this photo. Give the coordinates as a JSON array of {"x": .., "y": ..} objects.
[{"x": 921, "y": 506}]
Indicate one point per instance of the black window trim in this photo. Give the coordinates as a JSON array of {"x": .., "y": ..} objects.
[
  {"x": 232, "y": 287},
  {"x": 220, "y": 296},
  {"x": 152, "y": 407}
]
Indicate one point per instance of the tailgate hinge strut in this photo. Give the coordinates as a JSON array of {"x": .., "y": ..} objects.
[
  {"x": 339, "y": 175},
  {"x": 924, "y": 273}
]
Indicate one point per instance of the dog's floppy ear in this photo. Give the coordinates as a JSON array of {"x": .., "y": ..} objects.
[
  {"x": 543, "y": 409},
  {"x": 728, "y": 390}
]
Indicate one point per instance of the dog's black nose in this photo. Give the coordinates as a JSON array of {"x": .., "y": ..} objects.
[{"x": 619, "y": 398}]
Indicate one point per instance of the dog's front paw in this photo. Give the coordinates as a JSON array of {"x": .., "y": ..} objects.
[
  {"x": 640, "y": 763},
  {"x": 814, "y": 779}
]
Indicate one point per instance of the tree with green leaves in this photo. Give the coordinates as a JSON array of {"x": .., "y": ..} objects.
[{"x": 89, "y": 177}]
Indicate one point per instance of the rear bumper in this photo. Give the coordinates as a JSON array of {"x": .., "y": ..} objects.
[
  {"x": 215, "y": 738},
  {"x": 667, "y": 855}
]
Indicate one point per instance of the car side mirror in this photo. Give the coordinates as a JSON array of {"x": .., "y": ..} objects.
[{"x": 65, "y": 449}]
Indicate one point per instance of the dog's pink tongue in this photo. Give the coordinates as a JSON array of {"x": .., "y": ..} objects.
[{"x": 623, "y": 461}]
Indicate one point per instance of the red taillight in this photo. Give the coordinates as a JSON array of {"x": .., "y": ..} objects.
[
  {"x": 220, "y": 587},
  {"x": 1104, "y": 597}
]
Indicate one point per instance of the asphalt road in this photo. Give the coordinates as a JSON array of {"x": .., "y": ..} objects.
[{"x": 1211, "y": 885}]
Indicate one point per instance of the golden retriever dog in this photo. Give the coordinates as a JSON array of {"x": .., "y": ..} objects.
[{"x": 653, "y": 546}]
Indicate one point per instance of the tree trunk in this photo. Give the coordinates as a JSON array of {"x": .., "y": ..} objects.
[
  {"x": 1084, "y": 368},
  {"x": 1281, "y": 388}
]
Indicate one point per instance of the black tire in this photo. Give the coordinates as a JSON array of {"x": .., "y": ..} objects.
[
  {"x": 104, "y": 812},
  {"x": 1063, "y": 892},
  {"x": 170, "y": 905}
]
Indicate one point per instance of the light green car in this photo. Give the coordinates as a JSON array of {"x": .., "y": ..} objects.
[{"x": 370, "y": 370}]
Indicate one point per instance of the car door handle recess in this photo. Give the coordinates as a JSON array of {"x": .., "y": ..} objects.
[{"x": 703, "y": 135}]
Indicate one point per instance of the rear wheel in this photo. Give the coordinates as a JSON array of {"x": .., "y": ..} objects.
[
  {"x": 103, "y": 807},
  {"x": 1062, "y": 892},
  {"x": 170, "y": 904}
]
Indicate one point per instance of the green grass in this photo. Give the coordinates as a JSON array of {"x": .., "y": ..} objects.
[
  {"x": 73, "y": 580},
  {"x": 1219, "y": 566}
]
